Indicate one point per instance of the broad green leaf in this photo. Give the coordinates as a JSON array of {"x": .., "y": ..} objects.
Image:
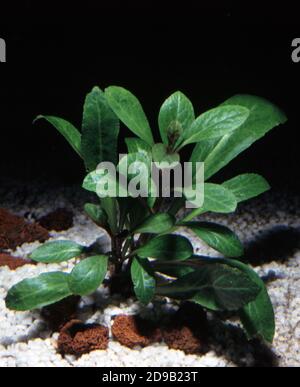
[
  {"x": 95, "y": 181},
  {"x": 88, "y": 275},
  {"x": 65, "y": 128},
  {"x": 160, "y": 154},
  {"x": 108, "y": 185},
  {"x": 33, "y": 293},
  {"x": 202, "y": 150},
  {"x": 218, "y": 237},
  {"x": 129, "y": 110},
  {"x": 92, "y": 179},
  {"x": 214, "y": 286},
  {"x": 172, "y": 269},
  {"x": 136, "y": 160},
  {"x": 156, "y": 224},
  {"x": 217, "y": 153},
  {"x": 100, "y": 129},
  {"x": 110, "y": 206},
  {"x": 137, "y": 168},
  {"x": 167, "y": 247},
  {"x": 258, "y": 315},
  {"x": 175, "y": 116},
  {"x": 213, "y": 124},
  {"x": 57, "y": 251},
  {"x": 216, "y": 199},
  {"x": 96, "y": 213},
  {"x": 247, "y": 186},
  {"x": 136, "y": 145},
  {"x": 143, "y": 281}
]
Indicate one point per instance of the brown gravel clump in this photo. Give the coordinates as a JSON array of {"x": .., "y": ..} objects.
[
  {"x": 58, "y": 314},
  {"x": 77, "y": 338},
  {"x": 182, "y": 338},
  {"x": 14, "y": 262},
  {"x": 14, "y": 231},
  {"x": 58, "y": 220},
  {"x": 187, "y": 330},
  {"x": 133, "y": 331}
]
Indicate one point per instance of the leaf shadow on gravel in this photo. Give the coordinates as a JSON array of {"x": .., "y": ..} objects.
[
  {"x": 230, "y": 342},
  {"x": 276, "y": 244}
]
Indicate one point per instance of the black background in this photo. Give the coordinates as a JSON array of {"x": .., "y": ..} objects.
[{"x": 56, "y": 54}]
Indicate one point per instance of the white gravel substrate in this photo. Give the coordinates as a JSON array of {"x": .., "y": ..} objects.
[{"x": 25, "y": 340}]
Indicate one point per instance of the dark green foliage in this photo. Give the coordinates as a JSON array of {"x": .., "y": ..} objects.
[{"x": 144, "y": 233}]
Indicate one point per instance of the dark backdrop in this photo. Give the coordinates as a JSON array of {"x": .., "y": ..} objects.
[{"x": 55, "y": 55}]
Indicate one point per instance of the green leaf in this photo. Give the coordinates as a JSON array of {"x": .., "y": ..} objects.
[
  {"x": 160, "y": 154},
  {"x": 156, "y": 224},
  {"x": 100, "y": 129},
  {"x": 214, "y": 286},
  {"x": 110, "y": 206},
  {"x": 96, "y": 213},
  {"x": 258, "y": 315},
  {"x": 65, "y": 128},
  {"x": 216, "y": 199},
  {"x": 88, "y": 275},
  {"x": 105, "y": 184},
  {"x": 93, "y": 179},
  {"x": 108, "y": 186},
  {"x": 57, "y": 251},
  {"x": 140, "y": 153},
  {"x": 129, "y": 110},
  {"x": 218, "y": 237},
  {"x": 172, "y": 269},
  {"x": 143, "y": 281},
  {"x": 247, "y": 186},
  {"x": 217, "y": 153},
  {"x": 136, "y": 145},
  {"x": 167, "y": 247},
  {"x": 138, "y": 160},
  {"x": 137, "y": 168},
  {"x": 33, "y": 293},
  {"x": 213, "y": 124},
  {"x": 175, "y": 116}
]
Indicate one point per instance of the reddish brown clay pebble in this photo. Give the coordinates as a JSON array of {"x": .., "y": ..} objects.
[
  {"x": 182, "y": 338},
  {"x": 14, "y": 262},
  {"x": 77, "y": 338},
  {"x": 187, "y": 330},
  {"x": 14, "y": 231},
  {"x": 58, "y": 314},
  {"x": 58, "y": 220},
  {"x": 133, "y": 331}
]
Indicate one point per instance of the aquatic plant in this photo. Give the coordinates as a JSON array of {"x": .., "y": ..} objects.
[{"x": 143, "y": 230}]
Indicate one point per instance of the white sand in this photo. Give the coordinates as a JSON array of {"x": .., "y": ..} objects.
[{"x": 25, "y": 340}]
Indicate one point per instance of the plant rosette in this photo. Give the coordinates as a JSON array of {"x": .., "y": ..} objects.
[{"x": 141, "y": 229}]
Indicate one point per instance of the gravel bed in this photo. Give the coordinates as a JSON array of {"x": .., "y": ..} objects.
[{"x": 261, "y": 224}]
